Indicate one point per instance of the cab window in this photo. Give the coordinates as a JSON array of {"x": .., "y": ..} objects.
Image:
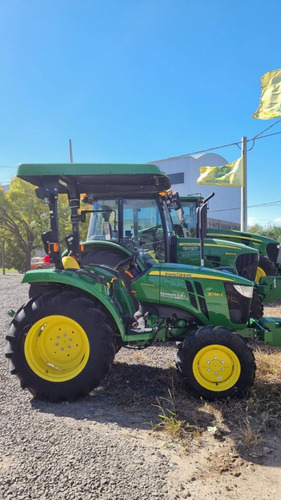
[{"x": 138, "y": 227}]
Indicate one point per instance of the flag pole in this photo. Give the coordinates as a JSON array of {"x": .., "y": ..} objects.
[{"x": 244, "y": 201}]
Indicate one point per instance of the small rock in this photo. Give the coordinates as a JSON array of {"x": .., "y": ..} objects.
[{"x": 237, "y": 474}]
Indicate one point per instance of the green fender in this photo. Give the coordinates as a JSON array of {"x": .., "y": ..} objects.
[
  {"x": 81, "y": 282},
  {"x": 269, "y": 287}
]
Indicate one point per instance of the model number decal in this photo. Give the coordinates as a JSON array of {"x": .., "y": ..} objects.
[{"x": 179, "y": 296}]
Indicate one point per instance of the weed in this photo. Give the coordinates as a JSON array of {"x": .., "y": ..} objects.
[
  {"x": 249, "y": 435},
  {"x": 170, "y": 422}
]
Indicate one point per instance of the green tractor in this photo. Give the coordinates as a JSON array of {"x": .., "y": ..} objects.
[
  {"x": 268, "y": 248},
  {"x": 121, "y": 288},
  {"x": 190, "y": 216}
]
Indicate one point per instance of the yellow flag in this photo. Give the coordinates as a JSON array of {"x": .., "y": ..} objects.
[
  {"x": 231, "y": 174},
  {"x": 270, "y": 100}
]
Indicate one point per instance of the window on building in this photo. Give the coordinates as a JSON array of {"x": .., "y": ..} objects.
[{"x": 176, "y": 178}]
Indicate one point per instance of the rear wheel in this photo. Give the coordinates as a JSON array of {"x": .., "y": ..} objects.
[
  {"x": 265, "y": 268},
  {"x": 216, "y": 363},
  {"x": 60, "y": 346}
]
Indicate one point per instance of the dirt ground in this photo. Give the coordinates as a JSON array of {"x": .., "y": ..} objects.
[{"x": 217, "y": 467}]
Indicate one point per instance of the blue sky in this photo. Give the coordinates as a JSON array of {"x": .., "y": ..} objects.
[{"x": 137, "y": 81}]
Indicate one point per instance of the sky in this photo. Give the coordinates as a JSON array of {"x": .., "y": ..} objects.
[{"x": 132, "y": 81}]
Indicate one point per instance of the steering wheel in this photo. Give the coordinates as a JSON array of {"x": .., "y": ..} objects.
[{"x": 131, "y": 259}]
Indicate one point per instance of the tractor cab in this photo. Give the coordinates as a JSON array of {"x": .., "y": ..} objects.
[
  {"x": 138, "y": 224},
  {"x": 189, "y": 206},
  {"x": 126, "y": 210}
]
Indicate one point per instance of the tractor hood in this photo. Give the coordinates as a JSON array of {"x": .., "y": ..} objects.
[
  {"x": 230, "y": 247},
  {"x": 241, "y": 237},
  {"x": 185, "y": 271}
]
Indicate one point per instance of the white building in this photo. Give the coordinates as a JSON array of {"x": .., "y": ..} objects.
[{"x": 225, "y": 207}]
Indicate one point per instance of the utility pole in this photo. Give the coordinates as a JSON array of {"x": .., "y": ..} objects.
[
  {"x": 244, "y": 201},
  {"x": 70, "y": 151}
]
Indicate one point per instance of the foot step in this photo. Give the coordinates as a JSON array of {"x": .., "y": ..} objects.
[{"x": 136, "y": 330}]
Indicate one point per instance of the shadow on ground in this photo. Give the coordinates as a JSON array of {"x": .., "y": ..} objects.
[
  {"x": 134, "y": 395},
  {"x": 131, "y": 396}
]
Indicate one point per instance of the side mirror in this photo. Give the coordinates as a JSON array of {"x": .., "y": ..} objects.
[{"x": 176, "y": 200}]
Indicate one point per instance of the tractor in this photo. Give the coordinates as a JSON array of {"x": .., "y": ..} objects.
[
  {"x": 269, "y": 249},
  {"x": 190, "y": 216},
  {"x": 122, "y": 288}
]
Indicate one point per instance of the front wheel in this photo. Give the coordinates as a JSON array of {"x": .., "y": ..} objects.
[
  {"x": 60, "y": 346},
  {"x": 216, "y": 363}
]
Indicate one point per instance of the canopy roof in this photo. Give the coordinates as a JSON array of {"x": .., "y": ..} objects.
[{"x": 96, "y": 179}]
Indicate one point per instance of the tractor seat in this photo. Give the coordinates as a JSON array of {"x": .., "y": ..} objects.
[{"x": 69, "y": 262}]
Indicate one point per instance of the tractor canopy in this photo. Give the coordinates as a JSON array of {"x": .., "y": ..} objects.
[{"x": 90, "y": 178}]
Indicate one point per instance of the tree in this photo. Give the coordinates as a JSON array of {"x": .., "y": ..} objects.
[
  {"x": 23, "y": 219},
  {"x": 270, "y": 231}
]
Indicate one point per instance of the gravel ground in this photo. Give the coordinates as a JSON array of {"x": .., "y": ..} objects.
[
  {"x": 103, "y": 446},
  {"x": 100, "y": 447}
]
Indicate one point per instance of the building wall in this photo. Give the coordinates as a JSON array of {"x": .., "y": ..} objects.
[{"x": 224, "y": 206}]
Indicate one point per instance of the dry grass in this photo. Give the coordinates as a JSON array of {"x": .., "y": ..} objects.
[
  {"x": 248, "y": 422},
  {"x": 171, "y": 423},
  {"x": 268, "y": 360}
]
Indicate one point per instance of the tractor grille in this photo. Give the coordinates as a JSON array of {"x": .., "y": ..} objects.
[
  {"x": 272, "y": 251},
  {"x": 196, "y": 297},
  {"x": 246, "y": 265},
  {"x": 238, "y": 305}
]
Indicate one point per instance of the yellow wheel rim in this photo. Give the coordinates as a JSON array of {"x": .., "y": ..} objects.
[
  {"x": 56, "y": 348},
  {"x": 260, "y": 274},
  {"x": 216, "y": 368}
]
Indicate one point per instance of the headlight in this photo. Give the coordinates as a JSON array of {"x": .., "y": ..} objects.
[{"x": 246, "y": 291}]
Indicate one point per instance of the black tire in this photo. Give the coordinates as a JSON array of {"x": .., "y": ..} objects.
[
  {"x": 267, "y": 266},
  {"x": 60, "y": 345},
  {"x": 36, "y": 289},
  {"x": 256, "y": 311},
  {"x": 216, "y": 363}
]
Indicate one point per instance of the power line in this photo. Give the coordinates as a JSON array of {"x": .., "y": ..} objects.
[
  {"x": 265, "y": 205},
  {"x": 270, "y": 204},
  {"x": 273, "y": 125},
  {"x": 256, "y": 137},
  {"x": 268, "y": 135},
  {"x": 197, "y": 152}
]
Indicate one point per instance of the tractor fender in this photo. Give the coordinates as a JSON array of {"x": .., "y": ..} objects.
[
  {"x": 93, "y": 287},
  {"x": 269, "y": 287}
]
